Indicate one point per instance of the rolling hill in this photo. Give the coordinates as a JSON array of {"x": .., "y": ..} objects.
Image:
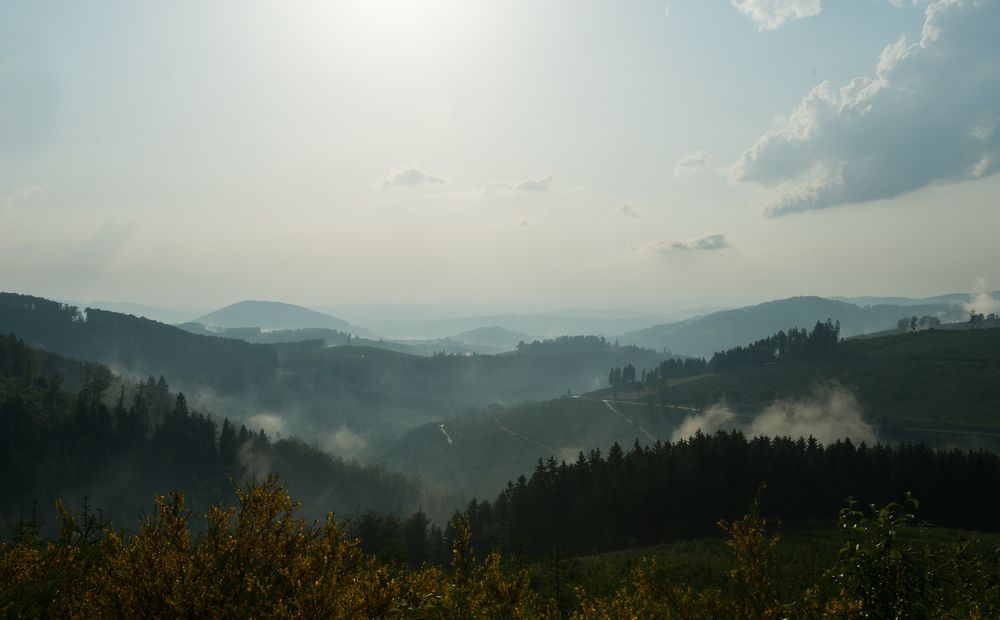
[
  {"x": 937, "y": 387},
  {"x": 948, "y": 298},
  {"x": 348, "y": 397},
  {"x": 136, "y": 346},
  {"x": 541, "y": 325},
  {"x": 704, "y": 335},
  {"x": 272, "y": 315},
  {"x": 493, "y": 336}
]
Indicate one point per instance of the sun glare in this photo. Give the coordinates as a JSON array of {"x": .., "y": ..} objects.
[{"x": 402, "y": 26}]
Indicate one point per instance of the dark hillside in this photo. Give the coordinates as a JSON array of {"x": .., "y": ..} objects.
[
  {"x": 81, "y": 436},
  {"x": 704, "y": 335},
  {"x": 137, "y": 346}
]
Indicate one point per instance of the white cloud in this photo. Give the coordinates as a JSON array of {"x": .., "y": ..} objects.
[
  {"x": 770, "y": 14},
  {"x": 692, "y": 164},
  {"x": 538, "y": 185},
  {"x": 411, "y": 177},
  {"x": 528, "y": 185},
  {"x": 708, "y": 243},
  {"x": 629, "y": 211},
  {"x": 930, "y": 114},
  {"x": 20, "y": 195}
]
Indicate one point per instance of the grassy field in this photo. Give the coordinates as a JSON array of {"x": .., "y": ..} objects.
[
  {"x": 807, "y": 551},
  {"x": 938, "y": 387},
  {"x": 489, "y": 448},
  {"x": 947, "y": 380}
]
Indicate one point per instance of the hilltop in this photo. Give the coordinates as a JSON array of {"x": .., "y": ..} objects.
[
  {"x": 493, "y": 336},
  {"x": 272, "y": 315},
  {"x": 706, "y": 334},
  {"x": 935, "y": 386}
]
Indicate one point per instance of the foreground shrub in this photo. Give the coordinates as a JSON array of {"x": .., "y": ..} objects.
[{"x": 256, "y": 558}]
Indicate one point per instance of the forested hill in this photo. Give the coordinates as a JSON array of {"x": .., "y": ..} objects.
[
  {"x": 648, "y": 495},
  {"x": 135, "y": 345},
  {"x": 70, "y": 429},
  {"x": 271, "y": 315},
  {"x": 314, "y": 390},
  {"x": 935, "y": 387},
  {"x": 912, "y": 382},
  {"x": 704, "y": 335}
]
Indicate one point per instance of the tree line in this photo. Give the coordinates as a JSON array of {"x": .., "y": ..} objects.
[
  {"x": 138, "y": 345},
  {"x": 668, "y": 491},
  {"x": 795, "y": 344},
  {"x": 256, "y": 557},
  {"x": 122, "y": 446}
]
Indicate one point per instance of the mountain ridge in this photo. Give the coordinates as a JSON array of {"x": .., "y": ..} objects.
[{"x": 273, "y": 315}]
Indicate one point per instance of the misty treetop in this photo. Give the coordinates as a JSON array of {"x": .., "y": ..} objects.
[
  {"x": 795, "y": 344},
  {"x": 370, "y": 389},
  {"x": 142, "y": 439}
]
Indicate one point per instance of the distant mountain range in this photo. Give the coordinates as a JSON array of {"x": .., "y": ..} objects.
[
  {"x": 704, "y": 335},
  {"x": 333, "y": 337},
  {"x": 498, "y": 337},
  {"x": 154, "y": 313},
  {"x": 274, "y": 315},
  {"x": 541, "y": 325},
  {"x": 950, "y": 298}
]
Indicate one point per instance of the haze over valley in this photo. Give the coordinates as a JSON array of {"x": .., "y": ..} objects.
[{"x": 500, "y": 309}]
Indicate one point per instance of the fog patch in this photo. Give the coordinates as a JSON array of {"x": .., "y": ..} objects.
[
  {"x": 344, "y": 443},
  {"x": 568, "y": 455},
  {"x": 271, "y": 424},
  {"x": 258, "y": 466},
  {"x": 715, "y": 418},
  {"x": 830, "y": 412},
  {"x": 981, "y": 300}
]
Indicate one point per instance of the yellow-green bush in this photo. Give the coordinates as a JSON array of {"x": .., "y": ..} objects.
[{"x": 257, "y": 559}]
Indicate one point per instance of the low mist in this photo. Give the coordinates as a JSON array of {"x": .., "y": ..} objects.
[
  {"x": 344, "y": 443},
  {"x": 981, "y": 300},
  {"x": 829, "y": 412}
]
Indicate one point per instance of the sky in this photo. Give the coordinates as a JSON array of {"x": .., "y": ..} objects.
[{"x": 513, "y": 153}]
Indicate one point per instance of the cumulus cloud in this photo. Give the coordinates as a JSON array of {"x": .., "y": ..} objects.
[
  {"x": 629, "y": 211},
  {"x": 411, "y": 177},
  {"x": 930, "y": 115},
  {"x": 770, "y": 14},
  {"x": 528, "y": 185},
  {"x": 692, "y": 164}
]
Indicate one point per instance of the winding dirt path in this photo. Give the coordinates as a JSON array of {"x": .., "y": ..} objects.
[
  {"x": 608, "y": 404},
  {"x": 522, "y": 437},
  {"x": 447, "y": 436}
]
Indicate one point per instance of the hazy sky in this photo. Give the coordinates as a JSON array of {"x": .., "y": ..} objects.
[{"x": 556, "y": 153}]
